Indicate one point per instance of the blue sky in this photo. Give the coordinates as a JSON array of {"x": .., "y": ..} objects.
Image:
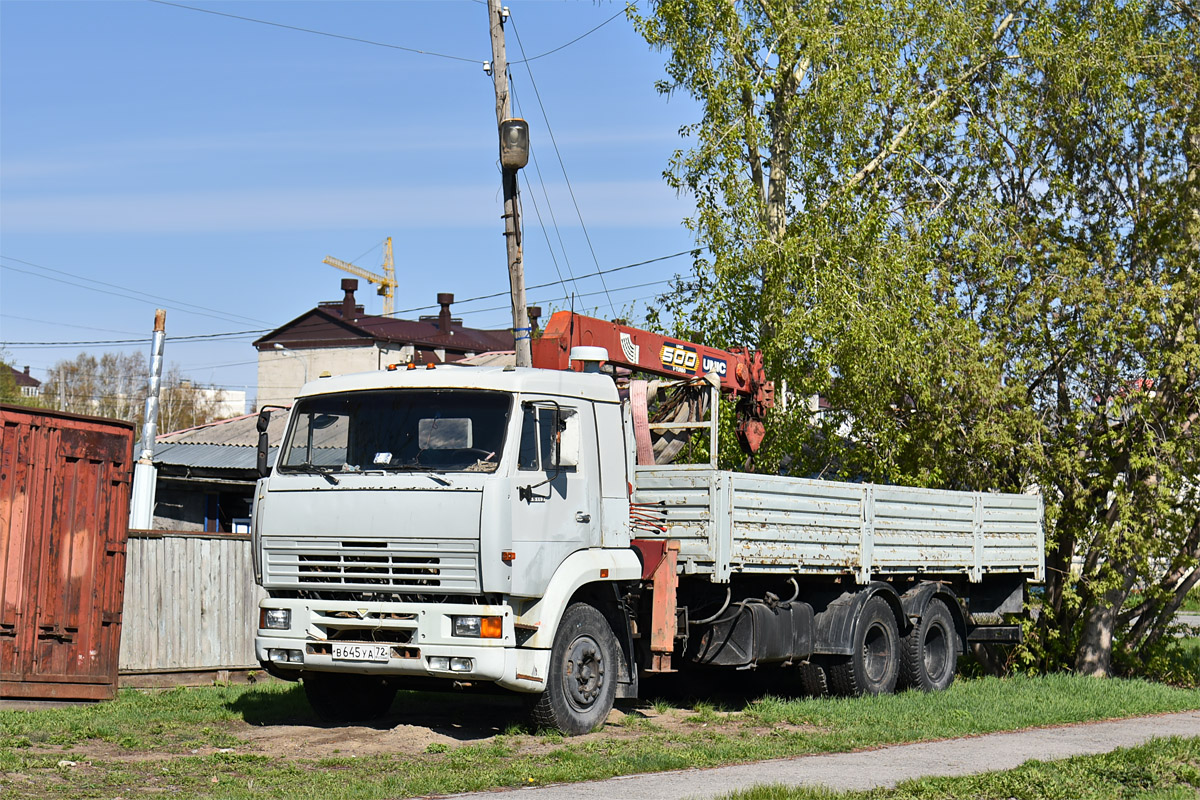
[{"x": 155, "y": 156}]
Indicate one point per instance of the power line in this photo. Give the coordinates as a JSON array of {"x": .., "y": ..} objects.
[
  {"x": 318, "y": 33},
  {"x": 207, "y": 337},
  {"x": 229, "y": 335},
  {"x": 59, "y": 324},
  {"x": 625, "y": 10},
  {"x": 359, "y": 40},
  {"x": 549, "y": 209},
  {"x": 609, "y": 271},
  {"x": 562, "y": 166},
  {"x": 176, "y": 305},
  {"x": 588, "y": 294}
]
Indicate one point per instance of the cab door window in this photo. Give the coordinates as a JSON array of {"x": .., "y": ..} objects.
[{"x": 541, "y": 431}]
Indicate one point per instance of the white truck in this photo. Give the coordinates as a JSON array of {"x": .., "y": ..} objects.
[{"x": 505, "y": 525}]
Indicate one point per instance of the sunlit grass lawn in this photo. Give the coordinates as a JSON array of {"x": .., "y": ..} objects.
[{"x": 155, "y": 732}]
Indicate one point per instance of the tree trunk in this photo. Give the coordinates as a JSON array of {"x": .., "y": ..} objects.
[{"x": 1094, "y": 655}]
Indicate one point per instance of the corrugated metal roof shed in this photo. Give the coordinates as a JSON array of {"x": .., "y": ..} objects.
[
  {"x": 241, "y": 430},
  {"x": 209, "y": 456}
]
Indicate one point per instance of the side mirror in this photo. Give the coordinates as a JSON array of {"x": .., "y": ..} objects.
[{"x": 264, "y": 444}]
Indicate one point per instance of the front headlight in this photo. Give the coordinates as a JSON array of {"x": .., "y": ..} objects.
[
  {"x": 479, "y": 627},
  {"x": 275, "y": 619}
]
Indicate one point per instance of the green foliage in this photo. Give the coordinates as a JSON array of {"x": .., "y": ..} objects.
[
  {"x": 973, "y": 231},
  {"x": 9, "y": 391},
  {"x": 8, "y": 384}
]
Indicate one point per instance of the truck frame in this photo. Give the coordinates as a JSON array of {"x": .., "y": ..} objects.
[{"x": 508, "y": 526}]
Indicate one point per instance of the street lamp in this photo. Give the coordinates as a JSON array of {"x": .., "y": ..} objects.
[{"x": 294, "y": 354}]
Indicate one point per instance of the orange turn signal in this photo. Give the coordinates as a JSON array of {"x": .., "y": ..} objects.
[
  {"x": 507, "y": 555},
  {"x": 491, "y": 628}
]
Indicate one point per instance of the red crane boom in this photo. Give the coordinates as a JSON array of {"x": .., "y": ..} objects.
[{"x": 739, "y": 369}]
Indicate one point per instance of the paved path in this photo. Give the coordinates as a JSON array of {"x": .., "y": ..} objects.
[{"x": 885, "y": 766}]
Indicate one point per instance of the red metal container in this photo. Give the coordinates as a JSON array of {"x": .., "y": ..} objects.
[{"x": 64, "y": 514}]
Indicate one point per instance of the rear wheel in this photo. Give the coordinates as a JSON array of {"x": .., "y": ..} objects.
[
  {"x": 813, "y": 679},
  {"x": 582, "y": 683},
  {"x": 337, "y": 697},
  {"x": 874, "y": 663},
  {"x": 929, "y": 653}
]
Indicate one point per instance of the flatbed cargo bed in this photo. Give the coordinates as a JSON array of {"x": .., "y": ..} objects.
[{"x": 735, "y": 522}]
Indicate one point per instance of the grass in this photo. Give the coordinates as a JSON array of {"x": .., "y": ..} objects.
[
  {"x": 1163, "y": 769},
  {"x": 142, "y": 743},
  {"x": 174, "y": 721},
  {"x": 1191, "y": 601}
]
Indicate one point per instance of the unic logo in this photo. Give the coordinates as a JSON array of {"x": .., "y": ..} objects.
[
  {"x": 678, "y": 357},
  {"x": 716, "y": 365}
]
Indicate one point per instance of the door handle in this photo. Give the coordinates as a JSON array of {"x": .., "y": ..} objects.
[{"x": 581, "y": 516}]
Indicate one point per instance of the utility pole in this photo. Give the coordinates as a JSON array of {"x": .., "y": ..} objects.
[{"x": 512, "y": 226}]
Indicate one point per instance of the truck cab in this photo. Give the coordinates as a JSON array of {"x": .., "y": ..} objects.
[{"x": 434, "y": 522}]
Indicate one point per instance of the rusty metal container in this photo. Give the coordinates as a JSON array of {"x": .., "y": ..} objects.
[{"x": 64, "y": 513}]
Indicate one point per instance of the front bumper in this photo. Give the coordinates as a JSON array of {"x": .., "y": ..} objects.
[{"x": 419, "y": 635}]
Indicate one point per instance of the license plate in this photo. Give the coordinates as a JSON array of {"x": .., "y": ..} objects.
[{"x": 362, "y": 652}]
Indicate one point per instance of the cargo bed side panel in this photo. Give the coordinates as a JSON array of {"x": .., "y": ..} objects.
[{"x": 729, "y": 522}]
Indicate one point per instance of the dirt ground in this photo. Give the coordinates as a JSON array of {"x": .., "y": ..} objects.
[{"x": 425, "y": 730}]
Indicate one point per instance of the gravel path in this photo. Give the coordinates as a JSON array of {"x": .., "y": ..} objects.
[{"x": 885, "y": 766}]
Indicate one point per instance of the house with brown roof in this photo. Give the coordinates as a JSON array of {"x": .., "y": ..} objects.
[
  {"x": 339, "y": 337},
  {"x": 27, "y": 385}
]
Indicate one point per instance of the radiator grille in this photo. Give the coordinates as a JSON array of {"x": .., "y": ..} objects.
[{"x": 446, "y": 566}]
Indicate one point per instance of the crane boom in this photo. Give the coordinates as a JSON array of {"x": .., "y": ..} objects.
[
  {"x": 739, "y": 369},
  {"x": 386, "y": 282}
]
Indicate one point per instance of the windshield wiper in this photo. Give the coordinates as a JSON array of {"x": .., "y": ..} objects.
[{"x": 317, "y": 469}]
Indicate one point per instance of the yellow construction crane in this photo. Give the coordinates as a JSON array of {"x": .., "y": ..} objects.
[{"x": 386, "y": 281}]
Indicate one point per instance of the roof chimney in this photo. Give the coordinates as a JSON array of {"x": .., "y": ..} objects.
[
  {"x": 444, "y": 300},
  {"x": 534, "y": 313},
  {"x": 349, "y": 286},
  {"x": 27, "y": 370}
]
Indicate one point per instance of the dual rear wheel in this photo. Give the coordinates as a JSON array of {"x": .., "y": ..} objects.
[{"x": 882, "y": 660}]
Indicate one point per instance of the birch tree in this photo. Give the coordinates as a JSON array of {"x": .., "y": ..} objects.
[
  {"x": 973, "y": 229},
  {"x": 115, "y": 385}
]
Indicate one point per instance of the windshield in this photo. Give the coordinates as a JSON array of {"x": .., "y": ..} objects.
[{"x": 397, "y": 429}]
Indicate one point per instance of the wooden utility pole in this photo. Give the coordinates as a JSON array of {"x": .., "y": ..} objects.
[{"x": 512, "y": 226}]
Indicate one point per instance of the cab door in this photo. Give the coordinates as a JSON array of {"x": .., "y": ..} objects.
[{"x": 555, "y": 504}]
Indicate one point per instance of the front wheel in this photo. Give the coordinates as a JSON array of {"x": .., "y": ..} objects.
[
  {"x": 582, "y": 683},
  {"x": 874, "y": 663},
  {"x": 337, "y": 697}
]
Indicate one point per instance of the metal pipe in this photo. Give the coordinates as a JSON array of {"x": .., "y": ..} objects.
[
  {"x": 145, "y": 476},
  {"x": 706, "y": 620},
  {"x": 150, "y": 423}
]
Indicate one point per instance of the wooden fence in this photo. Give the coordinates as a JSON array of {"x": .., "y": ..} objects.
[{"x": 190, "y": 603}]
